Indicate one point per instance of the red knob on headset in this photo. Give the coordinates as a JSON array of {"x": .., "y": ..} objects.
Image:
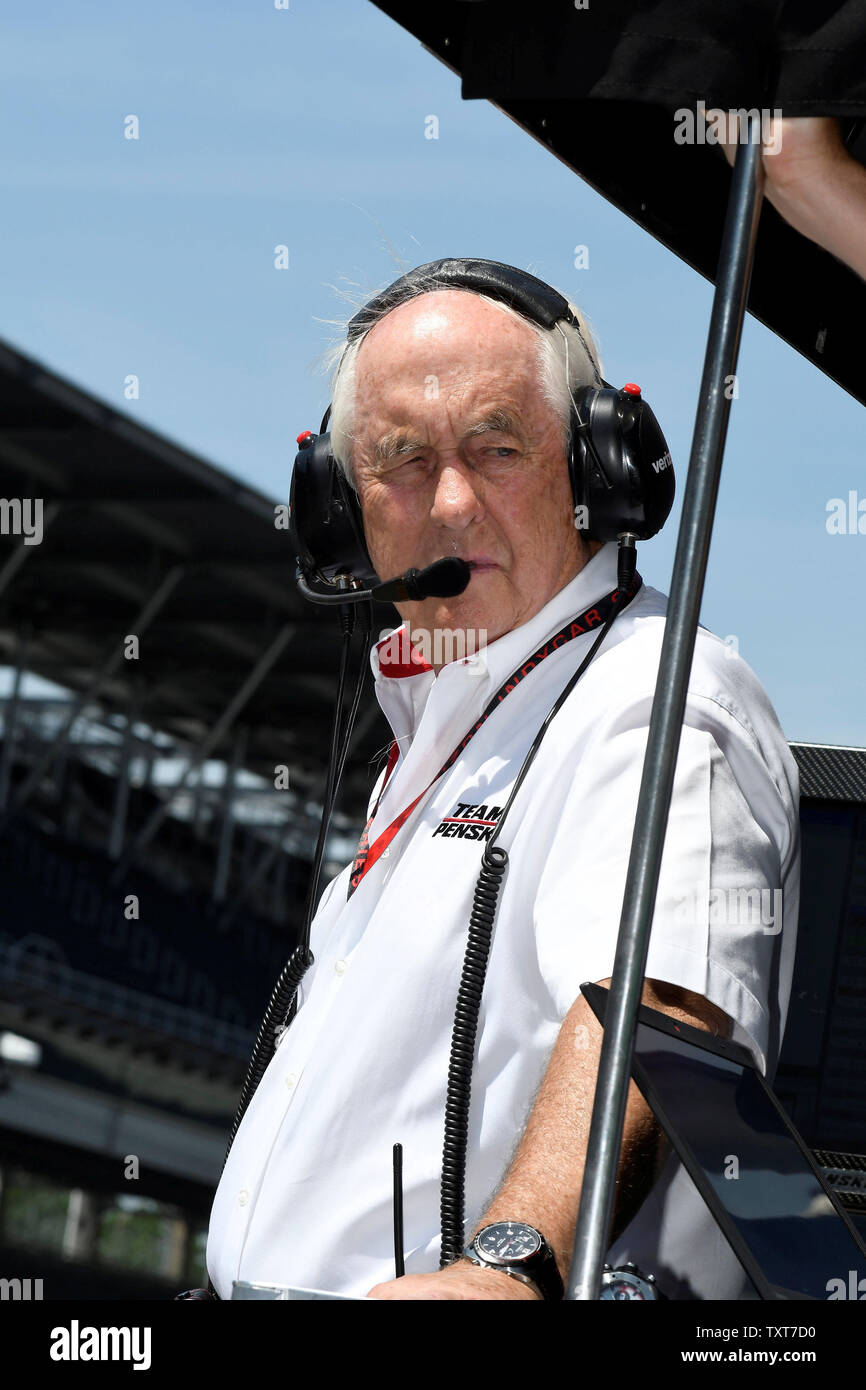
[
  {"x": 631, "y": 389},
  {"x": 305, "y": 438}
]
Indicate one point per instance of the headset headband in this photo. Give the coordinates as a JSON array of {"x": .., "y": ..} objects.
[
  {"x": 523, "y": 292},
  {"x": 517, "y": 288}
]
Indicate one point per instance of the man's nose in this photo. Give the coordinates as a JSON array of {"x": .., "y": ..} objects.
[{"x": 457, "y": 501}]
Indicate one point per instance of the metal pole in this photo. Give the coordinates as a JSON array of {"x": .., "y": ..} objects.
[
  {"x": 10, "y": 719},
  {"x": 198, "y": 805},
  {"x": 224, "y": 851},
  {"x": 121, "y": 791},
  {"x": 693, "y": 544}
]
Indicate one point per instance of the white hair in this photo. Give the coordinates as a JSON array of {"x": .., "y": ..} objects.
[{"x": 567, "y": 358}]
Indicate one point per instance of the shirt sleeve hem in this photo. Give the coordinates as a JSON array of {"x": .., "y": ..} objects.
[{"x": 675, "y": 965}]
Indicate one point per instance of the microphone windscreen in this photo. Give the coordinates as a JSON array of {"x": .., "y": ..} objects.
[{"x": 444, "y": 579}]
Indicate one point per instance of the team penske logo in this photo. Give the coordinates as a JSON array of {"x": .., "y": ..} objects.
[{"x": 469, "y": 822}]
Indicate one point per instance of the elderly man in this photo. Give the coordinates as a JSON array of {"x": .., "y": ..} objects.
[{"x": 449, "y": 418}]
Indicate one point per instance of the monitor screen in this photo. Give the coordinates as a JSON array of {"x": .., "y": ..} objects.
[{"x": 723, "y": 1114}]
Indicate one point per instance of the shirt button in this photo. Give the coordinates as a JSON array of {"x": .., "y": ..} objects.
[
  {"x": 385, "y": 853},
  {"x": 291, "y": 1080},
  {"x": 243, "y": 1197},
  {"x": 341, "y": 967}
]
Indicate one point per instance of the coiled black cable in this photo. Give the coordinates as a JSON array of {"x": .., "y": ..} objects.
[
  {"x": 494, "y": 862},
  {"x": 282, "y": 998}
]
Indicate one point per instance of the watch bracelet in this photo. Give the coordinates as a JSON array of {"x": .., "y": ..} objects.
[{"x": 502, "y": 1269}]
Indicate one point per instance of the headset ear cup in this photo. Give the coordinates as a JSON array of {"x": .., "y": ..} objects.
[
  {"x": 325, "y": 522},
  {"x": 578, "y": 463},
  {"x": 621, "y": 469},
  {"x": 350, "y": 501},
  {"x": 652, "y": 460}
]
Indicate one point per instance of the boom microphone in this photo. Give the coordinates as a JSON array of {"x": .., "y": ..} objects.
[{"x": 443, "y": 579}]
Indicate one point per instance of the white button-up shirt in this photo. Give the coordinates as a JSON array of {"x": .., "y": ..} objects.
[{"x": 306, "y": 1195}]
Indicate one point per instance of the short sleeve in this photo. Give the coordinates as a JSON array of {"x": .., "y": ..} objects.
[{"x": 719, "y": 903}]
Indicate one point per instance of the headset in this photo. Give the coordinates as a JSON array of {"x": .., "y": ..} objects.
[{"x": 619, "y": 464}]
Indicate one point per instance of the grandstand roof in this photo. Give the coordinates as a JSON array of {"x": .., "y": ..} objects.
[{"x": 129, "y": 519}]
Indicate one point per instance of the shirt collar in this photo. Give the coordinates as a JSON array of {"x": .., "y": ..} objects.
[{"x": 404, "y": 680}]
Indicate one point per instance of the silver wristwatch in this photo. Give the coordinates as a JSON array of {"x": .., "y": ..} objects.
[{"x": 519, "y": 1250}]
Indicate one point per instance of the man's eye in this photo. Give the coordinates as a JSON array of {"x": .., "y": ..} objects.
[
  {"x": 501, "y": 450},
  {"x": 398, "y": 463}
]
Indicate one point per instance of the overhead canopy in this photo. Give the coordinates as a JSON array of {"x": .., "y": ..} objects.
[{"x": 599, "y": 87}]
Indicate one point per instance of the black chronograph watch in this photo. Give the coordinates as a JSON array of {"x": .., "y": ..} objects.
[{"x": 520, "y": 1250}]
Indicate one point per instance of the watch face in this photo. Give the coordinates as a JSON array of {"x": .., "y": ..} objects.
[
  {"x": 622, "y": 1285},
  {"x": 508, "y": 1242}
]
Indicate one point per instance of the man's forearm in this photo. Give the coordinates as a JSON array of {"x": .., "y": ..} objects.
[
  {"x": 543, "y": 1184},
  {"x": 829, "y": 207}
]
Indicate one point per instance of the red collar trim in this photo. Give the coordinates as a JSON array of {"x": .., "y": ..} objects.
[{"x": 391, "y": 649}]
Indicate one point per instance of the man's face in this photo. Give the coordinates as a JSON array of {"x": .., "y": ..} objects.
[{"x": 457, "y": 453}]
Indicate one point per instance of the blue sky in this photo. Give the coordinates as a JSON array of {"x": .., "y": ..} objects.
[{"x": 306, "y": 127}]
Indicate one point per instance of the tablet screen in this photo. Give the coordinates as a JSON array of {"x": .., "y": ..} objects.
[{"x": 754, "y": 1165}]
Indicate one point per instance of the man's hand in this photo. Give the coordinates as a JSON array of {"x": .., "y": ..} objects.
[
  {"x": 797, "y": 149},
  {"x": 811, "y": 180},
  {"x": 463, "y": 1280}
]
